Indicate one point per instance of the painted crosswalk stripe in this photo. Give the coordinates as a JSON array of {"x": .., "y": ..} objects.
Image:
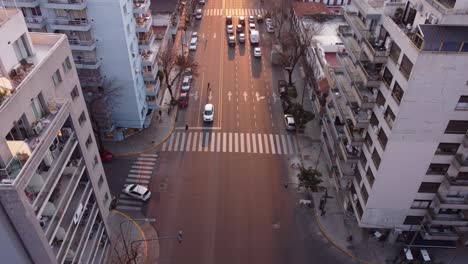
[
  {"x": 200, "y": 141},
  {"x": 236, "y": 142},
  {"x": 141, "y": 171},
  {"x": 171, "y": 140},
  {"x": 153, "y": 155},
  {"x": 123, "y": 207},
  {"x": 278, "y": 144},
  {"x": 144, "y": 162},
  {"x": 294, "y": 145},
  {"x": 139, "y": 176},
  {"x": 247, "y": 139},
  {"x": 260, "y": 145},
  {"x": 182, "y": 142},
  {"x": 205, "y": 144},
  {"x": 176, "y": 143},
  {"x": 265, "y": 142},
  {"x": 218, "y": 143},
  {"x": 146, "y": 159},
  {"x": 194, "y": 143},
  {"x": 224, "y": 142},
  {"x": 212, "y": 142},
  {"x": 189, "y": 140},
  {"x": 241, "y": 142},
  {"x": 139, "y": 167},
  {"x": 254, "y": 143},
  {"x": 283, "y": 140},
  {"x": 272, "y": 144},
  {"x": 230, "y": 142},
  {"x": 290, "y": 145},
  {"x": 137, "y": 180},
  {"x": 164, "y": 146}
]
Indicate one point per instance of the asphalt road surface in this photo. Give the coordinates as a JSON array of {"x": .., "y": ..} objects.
[{"x": 222, "y": 183}]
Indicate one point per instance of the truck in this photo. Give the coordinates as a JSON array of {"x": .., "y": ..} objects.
[{"x": 254, "y": 37}]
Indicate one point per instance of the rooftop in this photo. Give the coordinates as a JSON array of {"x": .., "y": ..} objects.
[
  {"x": 444, "y": 33},
  {"x": 310, "y": 9}
]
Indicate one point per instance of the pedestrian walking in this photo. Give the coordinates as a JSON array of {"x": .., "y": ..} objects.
[
  {"x": 186, "y": 127},
  {"x": 209, "y": 89}
]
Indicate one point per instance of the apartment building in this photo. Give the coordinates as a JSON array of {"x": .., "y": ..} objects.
[
  {"x": 54, "y": 197},
  {"x": 395, "y": 121},
  {"x": 114, "y": 50}
]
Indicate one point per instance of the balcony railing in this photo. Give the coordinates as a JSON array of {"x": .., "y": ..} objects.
[
  {"x": 69, "y": 22},
  {"x": 86, "y": 61},
  {"x": 146, "y": 39},
  {"x": 34, "y": 20},
  {"x": 66, "y": 4},
  {"x": 79, "y": 42},
  {"x": 349, "y": 68},
  {"x": 446, "y": 7},
  {"x": 95, "y": 80},
  {"x": 369, "y": 74}
]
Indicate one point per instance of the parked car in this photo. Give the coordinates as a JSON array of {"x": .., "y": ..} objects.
[
  {"x": 185, "y": 84},
  {"x": 232, "y": 41},
  {"x": 201, "y": 2},
  {"x": 138, "y": 192},
  {"x": 251, "y": 19},
  {"x": 289, "y": 122},
  {"x": 198, "y": 14},
  {"x": 251, "y": 27},
  {"x": 183, "y": 99},
  {"x": 270, "y": 29},
  {"x": 208, "y": 113},
  {"x": 268, "y": 21},
  {"x": 257, "y": 52},
  {"x": 193, "y": 44}
]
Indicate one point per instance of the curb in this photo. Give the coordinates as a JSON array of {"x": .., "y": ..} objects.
[{"x": 137, "y": 226}]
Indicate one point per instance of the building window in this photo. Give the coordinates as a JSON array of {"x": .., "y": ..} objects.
[
  {"x": 89, "y": 141},
  {"x": 368, "y": 141},
  {"x": 387, "y": 77},
  {"x": 406, "y": 67},
  {"x": 380, "y": 101},
  {"x": 456, "y": 127},
  {"x": 370, "y": 177},
  {"x": 100, "y": 181},
  {"x": 397, "y": 93},
  {"x": 57, "y": 78},
  {"x": 21, "y": 48},
  {"x": 376, "y": 158},
  {"x": 464, "y": 47},
  {"x": 66, "y": 65},
  {"x": 389, "y": 116},
  {"x": 437, "y": 169},
  {"x": 428, "y": 187},
  {"x": 358, "y": 176},
  {"x": 106, "y": 198},
  {"x": 462, "y": 104},
  {"x": 450, "y": 46},
  {"x": 413, "y": 220},
  {"x": 74, "y": 93},
  {"x": 382, "y": 138},
  {"x": 421, "y": 204},
  {"x": 447, "y": 148},
  {"x": 364, "y": 193},
  {"x": 38, "y": 106},
  {"x": 82, "y": 118},
  {"x": 395, "y": 52},
  {"x": 95, "y": 161},
  {"x": 374, "y": 121}
]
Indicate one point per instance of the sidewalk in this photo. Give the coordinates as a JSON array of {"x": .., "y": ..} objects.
[{"x": 124, "y": 230}]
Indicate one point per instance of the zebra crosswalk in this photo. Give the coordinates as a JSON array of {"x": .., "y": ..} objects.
[
  {"x": 234, "y": 12},
  {"x": 140, "y": 173},
  {"x": 226, "y": 142}
]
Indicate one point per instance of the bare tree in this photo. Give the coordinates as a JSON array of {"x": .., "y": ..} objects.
[
  {"x": 174, "y": 66},
  {"x": 295, "y": 43},
  {"x": 279, "y": 16}
]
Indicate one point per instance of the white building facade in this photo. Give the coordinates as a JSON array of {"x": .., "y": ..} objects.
[
  {"x": 395, "y": 124},
  {"x": 54, "y": 197},
  {"x": 114, "y": 51}
]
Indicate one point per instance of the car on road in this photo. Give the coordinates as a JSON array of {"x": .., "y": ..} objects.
[
  {"x": 138, "y": 192},
  {"x": 257, "y": 52},
  {"x": 183, "y": 99},
  {"x": 194, "y": 34},
  {"x": 186, "y": 84},
  {"x": 230, "y": 29},
  {"x": 251, "y": 27},
  {"x": 241, "y": 38},
  {"x": 228, "y": 20},
  {"x": 232, "y": 41},
  {"x": 201, "y": 2},
  {"x": 208, "y": 113},
  {"x": 188, "y": 73},
  {"x": 283, "y": 89},
  {"x": 289, "y": 122},
  {"x": 239, "y": 28},
  {"x": 251, "y": 19},
  {"x": 259, "y": 18},
  {"x": 270, "y": 29},
  {"x": 268, "y": 21},
  {"x": 193, "y": 44},
  {"x": 198, "y": 14},
  {"x": 242, "y": 20}
]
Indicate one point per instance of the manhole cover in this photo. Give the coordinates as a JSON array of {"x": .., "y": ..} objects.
[{"x": 162, "y": 186}]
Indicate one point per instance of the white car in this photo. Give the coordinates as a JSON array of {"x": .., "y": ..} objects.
[
  {"x": 270, "y": 29},
  {"x": 268, "y": 21},
  {"x": 198, "y": 14},
  {"x": 208, "y": 113},
  {"x": 193, "y": 43},
  {"x": 251, "y": 19},
  {"x": 230, "y": 29},
  {"x": 201, "y": 2},
  {"x": 137, "y": 191},
  {"x": 194, "y": 34},
  {"x": 241, "y": 37},
  {"x": 257, "y": 52},
  {"x": 186, "y": 84},
  {"x": 289, "y": 122},
  {"x": 251, "y": 27}
]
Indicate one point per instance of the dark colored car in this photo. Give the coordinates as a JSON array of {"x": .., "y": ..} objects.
[
  {"x": 283, "y": 88},
  {"x": 259, "y": 18},
  {"x": 239, "y": 28},
  {"x": 183, "y": 99},
  {"x": 229, "y": 20}
]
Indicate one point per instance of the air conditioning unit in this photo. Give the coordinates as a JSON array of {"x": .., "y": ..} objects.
[
  {"x": 37, "y": 128},
  {"x": 433, "y": 20}
]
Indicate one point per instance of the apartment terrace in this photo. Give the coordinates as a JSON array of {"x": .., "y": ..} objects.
[
  {"x": 36, "y": 22},
  {"x": 448, "y": 233},
  {"x": 446, "y": 7},
  {"x": 144, "y": 22},
  {"x": 370, "y": 73},
  {"x": 81, "y": 44},
  {"x": 452, "y": 219},
  {"x": 21, "y": 3},
  {"x": 450, "y": 202},
  {"x": 350, "y": 43},
  {"x": 376, "y": 50},
  {"x": 358, "y": 26},
  {"x": 66, "y": 4},
  {"x": 141, "y": 6},
  {"x": 350, "y": 68},
  {"x": 73, "y": 24}
]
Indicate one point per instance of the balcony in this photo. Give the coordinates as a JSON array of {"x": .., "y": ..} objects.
[
  {"x": 24, "y": 156},
  {"x": 36, "y": 22},
  {"x": 446, "y": 7},
  {"x": 348, "y": 152},
  {"x": 350, "y": 68},
  {"x": 90, "y": 79},
  {"x": 141, "y": 6},
  {"x": 356, "y": 24},
  {"x": 148, "y": 57},
  {"x": 346, "y": 169},
  {"x": 399, "y": 33},
  {"x": 149, "y": 76},
  {"x": 377, "y": 52},
  {"x": 146, "y": 40},
  {"x": 454, "y": 184},
  {"x": 456, "y": 219},
  {"x": 66, "y": 4},
  {"x": 77, "y": 24},
  {"x": 90, "y": 64},
  {"x": 370, "y": 74},
  {"x": 21, "y": 3},
  {"x": 350, "y": 42},
  {"x": 359, "y": 117},
  {"x": 433, "y": 233},
  {"x": 450, "y": 202},
  {"x": 460, "y": 163},
  {"x": 354, "y": 136},
  {"x": 465, "y": 140},
  {"x": 82, "y": 45},
  {"x": 144, "y": 22}
]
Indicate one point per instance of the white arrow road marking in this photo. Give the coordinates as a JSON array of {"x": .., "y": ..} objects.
[
  {"x": 229, "y": 94},
  {"x": 214, "y": 35},
  {"x": 195, "y": 95},
  {"x": 259, "y": 97},
  {"x": 245, "y": 96}
]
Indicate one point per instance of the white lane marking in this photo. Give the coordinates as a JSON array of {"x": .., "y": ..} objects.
[
  {"x": 176, "y": 143},
  {"x": 218, "y": 143},
  {"x": 141, "y": 171},
  {"x": 200, "y": 141},
  {"x": 241, "y": 142},
  {"x": 182, "y": 142},
  {"x": 254, "y": 143},
  {"x": 260, "y": 145},
  {"x": 171, "y": 140},
  {"x": 283, "y": 140},
  {"x": 189, "y": 140},
  {"x": 236, "y": 142},
  {"x": 272, "y": 144},
  {"x": 290, "y": 145},
  {"x": 194, "y": 143},
  {"x": 230, "y": 142},
  {"x": 265, "y": 137},
  {"x": 146, "y": 159},
  {"x": 224, "y": 142},
  {"x": 212, "y": 141},
  {"x": 137, "y": 180},
  {"x": 139, "y": 167},
  {"x": 144, "y": 162},
  {"x": 278, "y": 144},
  {"x": 139, "y": 176},
  {"x": 247, "y": 137},
  {"x": 205, "y": 145}
]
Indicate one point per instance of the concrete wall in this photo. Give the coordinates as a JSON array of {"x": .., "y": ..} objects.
[{"x": 11, "y": 247}]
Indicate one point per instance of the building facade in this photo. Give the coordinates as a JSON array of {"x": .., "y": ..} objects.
[
  {"x": 54, "y": 197},
  {"x": 114, "y": 50},
  {"x": 395, "y": 121}
]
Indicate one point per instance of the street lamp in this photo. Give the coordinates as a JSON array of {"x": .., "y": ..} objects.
[
  {"x": 149, "y": 220},
  {"x": 179, "y": 237}
]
